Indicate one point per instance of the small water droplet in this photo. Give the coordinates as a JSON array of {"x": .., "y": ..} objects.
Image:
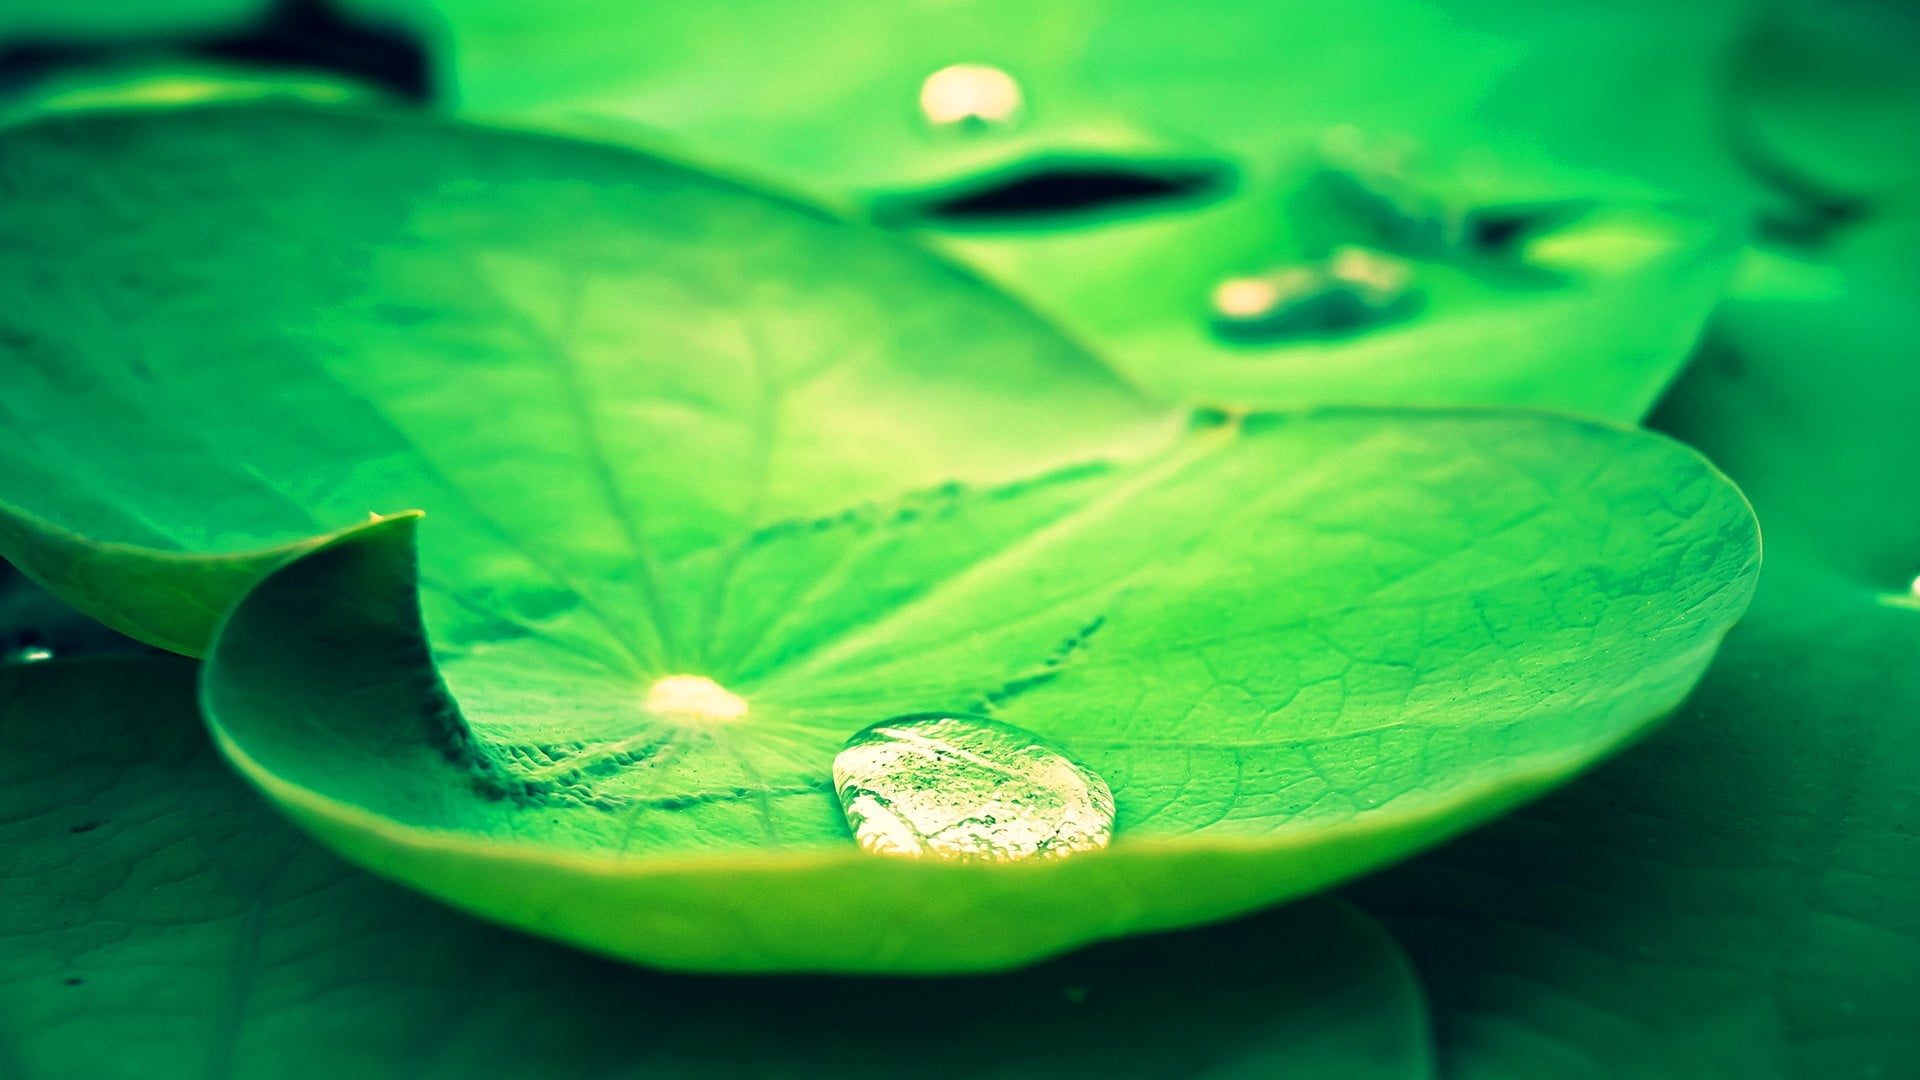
[
  {"x": 30, "y": 654},
  {"x": 1353, "y": 289},
  {"x": 950, "y": 786},
  {"x": 973, "y": 97}
]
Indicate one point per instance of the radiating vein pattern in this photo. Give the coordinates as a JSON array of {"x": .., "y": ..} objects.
[{"x": 663, "y": 429}]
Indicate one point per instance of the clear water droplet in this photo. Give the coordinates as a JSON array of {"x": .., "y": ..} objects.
[
  {"x": 951, "y": 786},
  {"x": 972, "y": 97},
  {"x": 1353, "y": 289}
]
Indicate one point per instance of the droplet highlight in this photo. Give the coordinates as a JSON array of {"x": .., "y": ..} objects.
[
  {"x": 694, "y": 699},
  {"x": 29, "y": 654},
  {"x": 951, "y": 786},
  {"x": 1353, "y": 289},
  {"x": 972, "y": 97}
]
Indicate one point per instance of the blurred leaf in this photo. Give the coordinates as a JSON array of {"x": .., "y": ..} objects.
[
  {"x": 1827, "y": 95},
  {"x": 1197, "y": 128},
  {"x": 160, "y": 923},
  {"x": 170, "y": 84},
  {"x": 1740, "y": 896}
]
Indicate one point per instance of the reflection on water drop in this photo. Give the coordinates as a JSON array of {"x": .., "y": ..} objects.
[
  {"x": 964, "y": 787},
  {"x": 1354, "y": 289},
  {"x": 29, "y": 654},
  {"x": 971, "y": 96}
]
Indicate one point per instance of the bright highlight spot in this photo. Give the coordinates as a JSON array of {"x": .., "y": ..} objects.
[
  {"x": 1245, "y": 298},
  {"x": 694, "y": 697},
  {"x": 970, "y": 93}
]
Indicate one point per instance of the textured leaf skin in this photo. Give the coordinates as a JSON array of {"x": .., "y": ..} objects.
[
  {"x": 701, "y": 432},
  {"x": 1347, "y": 691},
  {"x": 1481, "y": 104},
  {"x": 1740, "y": 895},
  {"x": 161, "y": 923}
]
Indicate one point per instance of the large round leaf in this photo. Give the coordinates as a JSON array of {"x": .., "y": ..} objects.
[
  {"x": 1295, "y": 648},
  {"x": 1157, "y": 151},
  {"x": 664, "y": 428}
]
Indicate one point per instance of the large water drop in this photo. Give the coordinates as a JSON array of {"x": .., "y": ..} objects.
[{"x": 950, "y": 786}]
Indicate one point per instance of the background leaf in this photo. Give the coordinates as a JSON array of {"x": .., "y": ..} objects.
[
  {"x": 1217, "y": 117},
  {"x": 1739, "y": 896}
]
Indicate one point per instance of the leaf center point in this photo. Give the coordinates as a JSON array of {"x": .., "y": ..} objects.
[{"x": 694, "y": 698}]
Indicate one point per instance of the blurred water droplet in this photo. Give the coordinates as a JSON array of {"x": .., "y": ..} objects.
[
  {"x": 1353, "y": 289},
  {"x": 29, "y": 654},
  {"x": 973, "y": 97},
  {"x": 965, "y": 787}
]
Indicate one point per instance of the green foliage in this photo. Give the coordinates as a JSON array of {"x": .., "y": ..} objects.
[
  {"x": 1296, "y": 646},
  {"x": 663, "y": 425}
]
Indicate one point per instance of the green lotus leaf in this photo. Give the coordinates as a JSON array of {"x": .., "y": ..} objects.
[
  {"x": 1150, "y": 154},
  {"x": 1739, "y": 896},
  {"x": 160, "y": 923},
  {"x": 702, "y": 434}
]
